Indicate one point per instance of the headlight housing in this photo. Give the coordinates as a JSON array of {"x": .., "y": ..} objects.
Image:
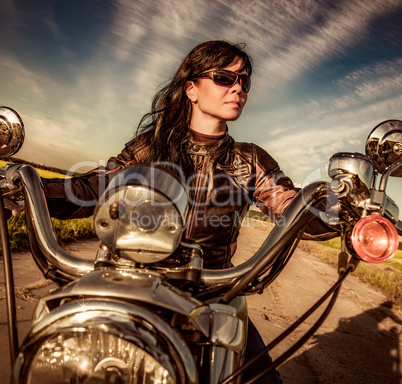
[{"x": 100, "y": 348}]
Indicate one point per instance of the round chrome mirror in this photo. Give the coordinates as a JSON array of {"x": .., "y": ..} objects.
[
  {"x": 384, "y": 145},
  {"x": 12, "y": 132}
]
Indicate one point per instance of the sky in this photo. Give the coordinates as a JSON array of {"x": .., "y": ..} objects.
[{"x": 81, "y": 73}]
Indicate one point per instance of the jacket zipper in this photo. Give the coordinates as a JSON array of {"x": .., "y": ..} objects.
[{"x": 193, "y": 209}]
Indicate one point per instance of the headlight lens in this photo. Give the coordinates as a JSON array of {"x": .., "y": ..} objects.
[{"x": 92, "y": 356}]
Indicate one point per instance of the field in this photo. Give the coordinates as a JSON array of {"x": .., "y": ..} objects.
[
  {"x": 66, "y": 230},
  {"x": 43, "y": 172}
]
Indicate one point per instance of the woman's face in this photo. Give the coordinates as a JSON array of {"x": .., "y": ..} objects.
[{"x": 214, "y": 102}]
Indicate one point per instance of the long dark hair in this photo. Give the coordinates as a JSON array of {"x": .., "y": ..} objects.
[{"x": 163, "y": 129}]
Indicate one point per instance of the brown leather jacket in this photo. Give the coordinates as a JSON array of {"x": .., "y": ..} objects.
[{"x": 228, "y": 177}]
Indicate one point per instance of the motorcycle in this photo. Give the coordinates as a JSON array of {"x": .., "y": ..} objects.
[{"x": 144, "y": 310}]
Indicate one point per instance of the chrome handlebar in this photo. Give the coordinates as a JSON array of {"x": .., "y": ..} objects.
[
  {"x": 296, "y": 216},
  {"x": 47, "y": 251},
  {"x": 47, "y": 248}
]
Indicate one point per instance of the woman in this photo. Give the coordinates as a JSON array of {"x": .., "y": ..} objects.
[{"x": 187, "y": 128}]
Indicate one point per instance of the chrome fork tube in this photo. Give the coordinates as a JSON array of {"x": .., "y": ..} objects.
[
  {"x": 224, "y": 363},
  {"x": 229, "y": 336}
]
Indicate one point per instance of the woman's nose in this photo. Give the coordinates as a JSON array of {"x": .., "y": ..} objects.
[{"x": 237, "y": 86}]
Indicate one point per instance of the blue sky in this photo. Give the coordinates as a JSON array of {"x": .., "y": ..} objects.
[{"x": 82, "y": 72}]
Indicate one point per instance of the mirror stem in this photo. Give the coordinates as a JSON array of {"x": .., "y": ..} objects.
[{"x": 384, "y": 179}]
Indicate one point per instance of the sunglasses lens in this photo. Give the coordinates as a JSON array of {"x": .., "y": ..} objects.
[
  {"x": 245, "y": 83},
  {"x": 228, "y": 78},
  {"x": 224, "y": 78}
]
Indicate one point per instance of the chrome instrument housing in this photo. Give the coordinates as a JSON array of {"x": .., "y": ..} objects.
[
  {"x": 354, "y": 169},
  {"x": 142, "y": 213}
]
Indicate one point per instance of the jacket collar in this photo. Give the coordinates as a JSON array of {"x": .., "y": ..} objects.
[{"x": 219, "y": 147}]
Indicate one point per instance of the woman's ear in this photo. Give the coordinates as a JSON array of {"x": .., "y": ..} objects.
[{"x": 191, "y": 91}]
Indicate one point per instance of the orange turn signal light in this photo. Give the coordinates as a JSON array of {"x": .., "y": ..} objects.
[{"x": 375, "y": 239}]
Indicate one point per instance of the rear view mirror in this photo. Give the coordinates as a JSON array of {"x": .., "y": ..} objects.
[
  {"x": 384, "y": 146},
  {"x": 12, "y": 132}
]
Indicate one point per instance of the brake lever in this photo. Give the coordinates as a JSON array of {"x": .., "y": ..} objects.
[
  {"x": 11, "y": 189},
  {"x": 13, "y": 205}
]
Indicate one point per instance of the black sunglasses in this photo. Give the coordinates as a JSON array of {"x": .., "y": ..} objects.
[{"x": 227, "y": 78}]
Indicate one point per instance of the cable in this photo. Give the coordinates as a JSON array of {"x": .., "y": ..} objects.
[
  {"x": 9, "y": 283},
  {"x": 334, "y": 289}
]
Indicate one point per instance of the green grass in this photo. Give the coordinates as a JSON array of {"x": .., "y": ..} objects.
[
  {"x": 395, "y": 262},
  {"x": 42, "y": 172},
  {"x": 385, "y": 277},
  {"x": 66, "y": 231}
]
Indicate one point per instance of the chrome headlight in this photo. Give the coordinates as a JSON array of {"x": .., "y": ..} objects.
[
  {"x": 141, "y": 216},
  {"x": 92, "y": 356},
  {"x": 99, "y": 348}
]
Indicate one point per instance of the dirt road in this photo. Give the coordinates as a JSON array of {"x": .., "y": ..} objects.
[{"x": 359, "y": 343}]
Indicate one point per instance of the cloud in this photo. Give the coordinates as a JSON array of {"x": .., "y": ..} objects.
[
  {"x": 19, "y": 79},
  {"x": 370, "y": 89},
  {"x": 373, "y": 82},
  {"x": 286, "y": 38},
  {"x": 310, "y": 145},
  {"x": 296, "y": 42},
  {"x": 360, "y": 100},
  {"x": 142, "y": 26},
  {"x": 301, "y": 153},
  {"x": 344, "y": 115}
]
